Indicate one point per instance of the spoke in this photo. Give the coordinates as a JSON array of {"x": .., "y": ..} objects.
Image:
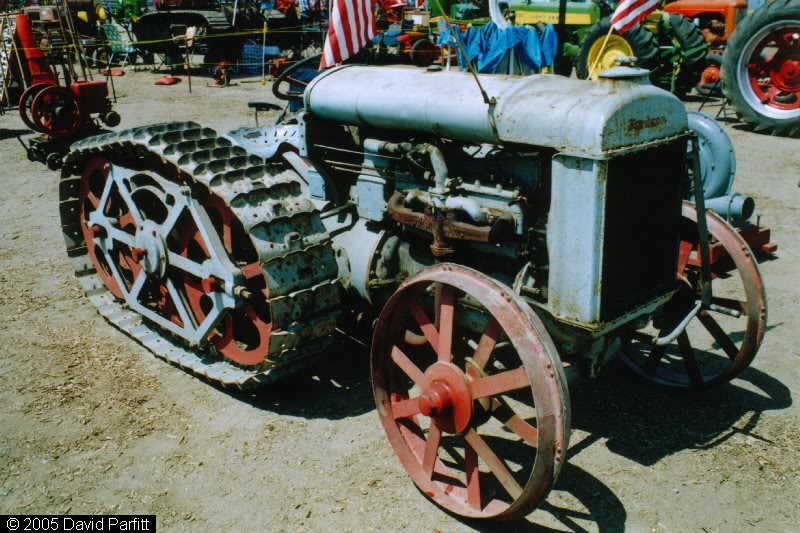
[
  {"x": 495, "y": 464},
  {"x": 487, "y": 343},
  {"x": 654, "y": 358},
  {"x": 186, "y": 265},
  {"x": 133, "y": 210},
  {"x": 730, "y": 303},
  {"x": 473, "y": 477},
  {"x": 405, "y": 408},
  {"x": 408, "y": 367},
  {"x": 179, "y": 304},
  {"x": 719, "y": 335},
  {"x": 505, "y": 414},
  {"x": 172, "y": 218},
  {"x": 689, "y": 360},
  {"x": 121, "y": 236},
  {"x": 107, "y": 186},
  {"x": 499, "y": 383},
  {"x": 425, "y": 324},
  {"x": 431, "y": 449},
  {"x": 446, "y": 315}
]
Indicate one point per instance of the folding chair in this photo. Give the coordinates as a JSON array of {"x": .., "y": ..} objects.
[{"x": 120, "y": 48}]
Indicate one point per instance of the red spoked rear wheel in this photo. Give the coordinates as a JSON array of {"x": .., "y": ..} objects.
[{"x": 471, "y": 393}]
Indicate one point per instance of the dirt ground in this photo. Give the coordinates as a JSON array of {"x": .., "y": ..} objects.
[{"x": 90, "y": 422}]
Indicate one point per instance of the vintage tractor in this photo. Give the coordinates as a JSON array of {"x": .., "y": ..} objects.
[{"x": 494, "y": 249}]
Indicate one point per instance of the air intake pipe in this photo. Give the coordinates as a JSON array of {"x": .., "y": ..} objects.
[{"x": 733, "y": 207}]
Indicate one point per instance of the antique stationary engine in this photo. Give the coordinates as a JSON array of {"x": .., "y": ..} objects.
[{"x": 502, "y": 236}]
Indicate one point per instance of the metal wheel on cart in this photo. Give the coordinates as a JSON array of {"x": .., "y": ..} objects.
[
  {"x": 471, "y": 393},
  {"x": 720, "y": 340}
]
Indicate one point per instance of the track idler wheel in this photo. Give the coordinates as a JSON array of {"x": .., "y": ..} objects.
[
  {"x": 478, "y": 414},
  {"x": 721, "y": 340}
]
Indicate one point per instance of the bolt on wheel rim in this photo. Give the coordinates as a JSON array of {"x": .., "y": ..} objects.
[
  {"x": 717, "y": 345},
  {"x": 479, "y": 414},
  {"x": 769, "y": 70}
]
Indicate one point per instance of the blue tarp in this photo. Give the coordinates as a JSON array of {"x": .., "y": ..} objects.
[{"x": 488, "y": 45}]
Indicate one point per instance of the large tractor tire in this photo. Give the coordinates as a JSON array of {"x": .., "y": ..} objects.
[
  {"x": 761, "y": 68},
  {"x": 639, "y": 42},
  {"x": 690, "y": 41}
]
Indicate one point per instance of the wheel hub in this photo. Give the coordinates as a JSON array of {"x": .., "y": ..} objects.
[
  {"x": 447, "y": 397},
  {"x": 150, "y": 249}
]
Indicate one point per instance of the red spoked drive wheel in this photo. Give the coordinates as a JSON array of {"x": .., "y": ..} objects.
[
  {"x": 721, "y": 341},
  {"x": 471, "y": 393},
  {"x": 243, "y": 334}
]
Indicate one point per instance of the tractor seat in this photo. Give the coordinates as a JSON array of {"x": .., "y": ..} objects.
[{"x": 262, "y": 106}]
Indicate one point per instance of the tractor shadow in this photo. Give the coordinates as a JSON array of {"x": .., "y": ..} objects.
[
  {"x": 646, "y": 423},
  {"x": 638, "y": 421},
  {"x": 11, "y": 133},
  {"x": 336, "y": 387}
]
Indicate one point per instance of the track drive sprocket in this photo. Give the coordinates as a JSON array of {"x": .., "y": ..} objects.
[{"x": 208, "y": 255}]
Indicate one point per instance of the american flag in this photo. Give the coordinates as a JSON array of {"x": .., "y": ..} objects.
[
  {"x": 352, "y": 26},
  {"x": 629, "y": 13}
]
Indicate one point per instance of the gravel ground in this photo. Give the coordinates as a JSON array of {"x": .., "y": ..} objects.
[{"x": 93, "y": 423}]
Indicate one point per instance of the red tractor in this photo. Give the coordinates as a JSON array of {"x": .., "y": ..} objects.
[{"x": 756, "y": 56}]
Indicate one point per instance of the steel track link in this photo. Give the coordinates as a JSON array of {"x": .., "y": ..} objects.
[{"x": 295, "y": 252}]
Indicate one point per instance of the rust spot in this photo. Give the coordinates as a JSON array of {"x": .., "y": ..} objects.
[{"x": 636, "y": 126}]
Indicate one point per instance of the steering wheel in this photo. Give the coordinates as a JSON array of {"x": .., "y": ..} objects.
[{"x": 286, "y": 76}]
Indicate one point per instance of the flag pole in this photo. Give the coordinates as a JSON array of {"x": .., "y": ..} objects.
[{"x": 600, "y": 54}]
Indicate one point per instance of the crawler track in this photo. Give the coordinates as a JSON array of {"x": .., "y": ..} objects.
[{"x": 294, "y": 251}]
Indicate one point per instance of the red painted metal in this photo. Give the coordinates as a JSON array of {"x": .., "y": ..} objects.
[
  {"x": 758, "y": 238},
  {"x": 648, "y": 360},
  {"x": 56, "y": 112},
  {"x": 458, "y": 391},
  {"x": 26, "y": 101},
  {"x": 774, "y": 69},
  {"x": 243, "y": 335},
  {"x": 36, "y": 60}
]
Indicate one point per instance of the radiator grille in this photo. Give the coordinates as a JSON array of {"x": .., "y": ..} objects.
[{"x": 641, "y": 230}]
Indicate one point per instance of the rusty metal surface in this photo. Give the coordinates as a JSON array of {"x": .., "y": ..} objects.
[
  {"x": 442, "y": 225},
  {"x": 456, "y": 393}
]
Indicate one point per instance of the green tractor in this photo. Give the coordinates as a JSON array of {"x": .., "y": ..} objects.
[{"x": 668, "y": 44}]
